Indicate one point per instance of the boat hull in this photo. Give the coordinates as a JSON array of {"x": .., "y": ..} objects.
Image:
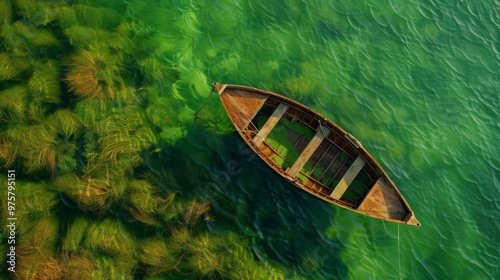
[{"x": 313, "y": 153}]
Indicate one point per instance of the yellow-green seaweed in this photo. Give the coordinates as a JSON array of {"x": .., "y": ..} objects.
[
  {"x": 27, "y": 41},
  {"x": 77, "y": 229},
  {"x": 39, "y": 265},
  {"x": 34, "y": 200},
  {"x": 95, "y": 74},
  {"x": 78, "y": 265},
  {"x": 64, "y": 123},
  {"x": 205, "y": 254},
  {"x": 13, "y": 103},
  {"x": 39, "y": 12},
  {"x": 5, "y": 12},
  {"x": 144, "y": 202},
  {"x": 89, "y": 193},
  {"x": 110, "y": 236},
  {"x": 44, "y": 84},
  {"x": 36, "y": 146},
  {"x": 43, "y": 146},
  {"x": 157, "y": 255},
  {"x": 106, "y": 267},
  {"x": 8, "y": 69},
  {"x": 40, "y": 234}
]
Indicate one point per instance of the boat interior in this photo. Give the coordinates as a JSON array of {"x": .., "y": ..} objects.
[{"x": 320, "y": 156}]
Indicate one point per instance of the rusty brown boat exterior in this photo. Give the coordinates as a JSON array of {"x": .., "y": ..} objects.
[{"x": 313, "y": 153}]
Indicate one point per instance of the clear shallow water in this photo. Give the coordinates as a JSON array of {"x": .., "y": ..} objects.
[{"x": 417, "y": 83}]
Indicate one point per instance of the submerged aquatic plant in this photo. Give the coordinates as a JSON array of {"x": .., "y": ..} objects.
[
  {"x": 41, "y": 235},
  {"x": 21, "y": 104},
  {"x": 107, "y": 267},
  {"x": 34, "y": 200},
  {"x": 16, "y": 39},
  {"x": 77, "y": 229},
  {"x": 144, "y": 202},
  {"x": 88, "y": 193},
  {"x": 185, "y": 212},
  {"x": 89, "y": 38},
  {"x": 38, "y": 12},
  {"x": 113, "y": 247},
  {"x": 13, "y": 104},
  {"x": 64, "y": 123},
  {"x": 35, "y": 146},
  {"x": 8, "y": 69},
  {"x": 44, "y": 84},
  {"x": 6, "y": 14},
  {"x": 99, "y": 17},
  {"x": 78, "y": 265},
  {"x": 111, "y": 236},
  {"x": 155, "y": 71},
  {"x": 26, "y": 41},
  {"x": 137, "y": 30},
  {"x": 193, "y": 211},
  {"x": 40, "y": 265},
  {"x": 43, "y": 146},
  {"x": 119, "y": 141},
  {"x": 124, "y": 145},
  {"x": 157, "y": 255},
  {"x": 7, "y": 154},
  {"x": 206, "y": 254},
  {"x": 95, "y": 74}
]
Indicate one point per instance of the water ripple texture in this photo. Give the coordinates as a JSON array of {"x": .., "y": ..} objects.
[{"x": 97, "y": 103}]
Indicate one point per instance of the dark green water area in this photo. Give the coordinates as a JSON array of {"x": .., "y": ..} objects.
[{"x": 116, "y": 179}]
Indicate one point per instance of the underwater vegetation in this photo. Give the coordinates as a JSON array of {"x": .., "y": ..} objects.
[
  {"x": 116, "y": 179},
  {"x": 94, "y": 75},
  {"x": 89, "y": 104}
]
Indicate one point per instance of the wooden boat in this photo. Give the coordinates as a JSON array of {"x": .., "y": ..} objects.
[{"x": 313, "y": 153}]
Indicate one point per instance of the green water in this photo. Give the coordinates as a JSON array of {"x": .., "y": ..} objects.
[{"x": 113, "y": 172}]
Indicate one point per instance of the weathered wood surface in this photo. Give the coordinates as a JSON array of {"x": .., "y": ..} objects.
[
  {"x": 242, "y": 106},
  {"x": 383, "y": 201},
  {"x": 308, "y": 151},
  {"x": 270, "y": 123},
  {"x": 349, "y": 176}
]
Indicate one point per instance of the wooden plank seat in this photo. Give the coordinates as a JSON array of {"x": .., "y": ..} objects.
[
  {"x": 349, "y": 176},
  {"x": 270, "y": 123},
  {"x": 308, "y": 151}
]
